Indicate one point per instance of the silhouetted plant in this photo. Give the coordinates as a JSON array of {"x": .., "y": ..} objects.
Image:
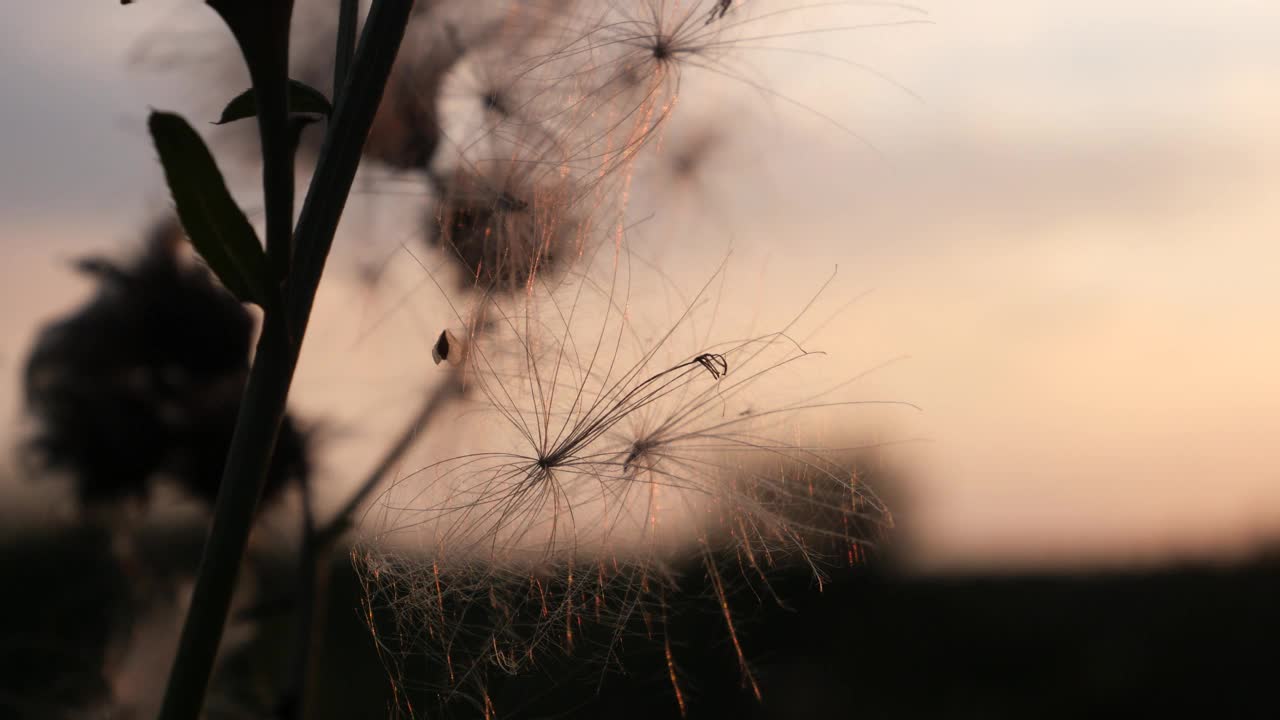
[
  {"x": 281, "y": 277},
  {"x": 142, "y": 384},
  {"x": 527, "y": 189}
]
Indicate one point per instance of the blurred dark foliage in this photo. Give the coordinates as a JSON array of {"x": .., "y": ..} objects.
[
  {"x": 872, "y": 644},
  {"x": 876, "y": 644},
  {"x": 65, "y": 604},
  {"x": 143, "y": 382}
]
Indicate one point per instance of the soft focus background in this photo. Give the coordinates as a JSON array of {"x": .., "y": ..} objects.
[
  {"x": 1071, "y": 233},
  {"x": 1051, "y": 226}
]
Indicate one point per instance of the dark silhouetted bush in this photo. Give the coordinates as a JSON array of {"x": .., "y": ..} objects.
[{"x": 143, "y": 382}]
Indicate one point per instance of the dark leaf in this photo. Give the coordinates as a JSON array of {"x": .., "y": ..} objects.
[
  {"x": 217, "y": 227},
  {"x": 304, "y": 100}
]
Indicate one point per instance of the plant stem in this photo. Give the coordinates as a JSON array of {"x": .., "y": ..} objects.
[
  {"x": 297, "y": 700},
  {"x": 242, "y": 479},
  {"x": 262, "y": 32},
  {"x": 335, "y": 171},
  {"x": 348, "y": 18},
  {"x": 318, "y": 543},
  {"x": 312, "y": 593},
  {"x": 441, "y": 394},
  {"x": 266, "y": 393},
  {"x": 271, "y": 88}
]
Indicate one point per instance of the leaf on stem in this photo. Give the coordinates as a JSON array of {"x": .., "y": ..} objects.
[
  {"x": 216, "y": 225},
  {"x": 304, "y": 101}
]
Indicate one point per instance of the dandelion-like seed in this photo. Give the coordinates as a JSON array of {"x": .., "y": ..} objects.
[
  {"x": 616, "y": 468},
  {"x": 596, "y": 457},
  {"x": 623, "y": 75},
  {"x": 632, "y": 61}
]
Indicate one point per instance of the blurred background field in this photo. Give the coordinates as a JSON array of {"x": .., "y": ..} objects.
[{"x": 875, "y": 643}]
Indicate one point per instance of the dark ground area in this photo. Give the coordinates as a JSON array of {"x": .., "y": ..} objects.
[{"x": 873, "y": 644}]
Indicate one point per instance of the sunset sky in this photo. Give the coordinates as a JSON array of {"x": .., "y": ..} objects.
[{"x": 1071, "y": 233}]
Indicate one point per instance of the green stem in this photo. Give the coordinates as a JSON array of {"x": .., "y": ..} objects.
[
  {"x": 267, "y": 391},
  {"x": 242, "y": 479},
  {"x": 314, "y": 558},
  {"x": 339, "y": 157},
  {"x": 348, "y": 18},
  {"x": 270, "y": 77},
  {"x": 311, "y": 600},
  {"x": 262, "y": 32},
  {"x": 431, "y": 404},
  {"x": 298, "y": 698},
  {"x": 278, "y": 146}
]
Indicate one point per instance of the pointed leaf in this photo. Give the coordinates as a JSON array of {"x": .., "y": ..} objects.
[
  {"x": 217, "y": 227},
  {"x": 303, "y": 100}
]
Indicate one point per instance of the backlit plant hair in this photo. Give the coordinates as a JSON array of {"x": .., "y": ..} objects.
[
  {"x": 603, "y": 469},
  {"x": 606, "y": 462},
  {"x": 622, "y": 68},
  {"x": 504, "y": 223}
]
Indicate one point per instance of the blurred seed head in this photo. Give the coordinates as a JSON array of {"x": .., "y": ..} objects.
[
  {"x": 503, "y": 225},
  {"x": 406, "y": 128}
]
